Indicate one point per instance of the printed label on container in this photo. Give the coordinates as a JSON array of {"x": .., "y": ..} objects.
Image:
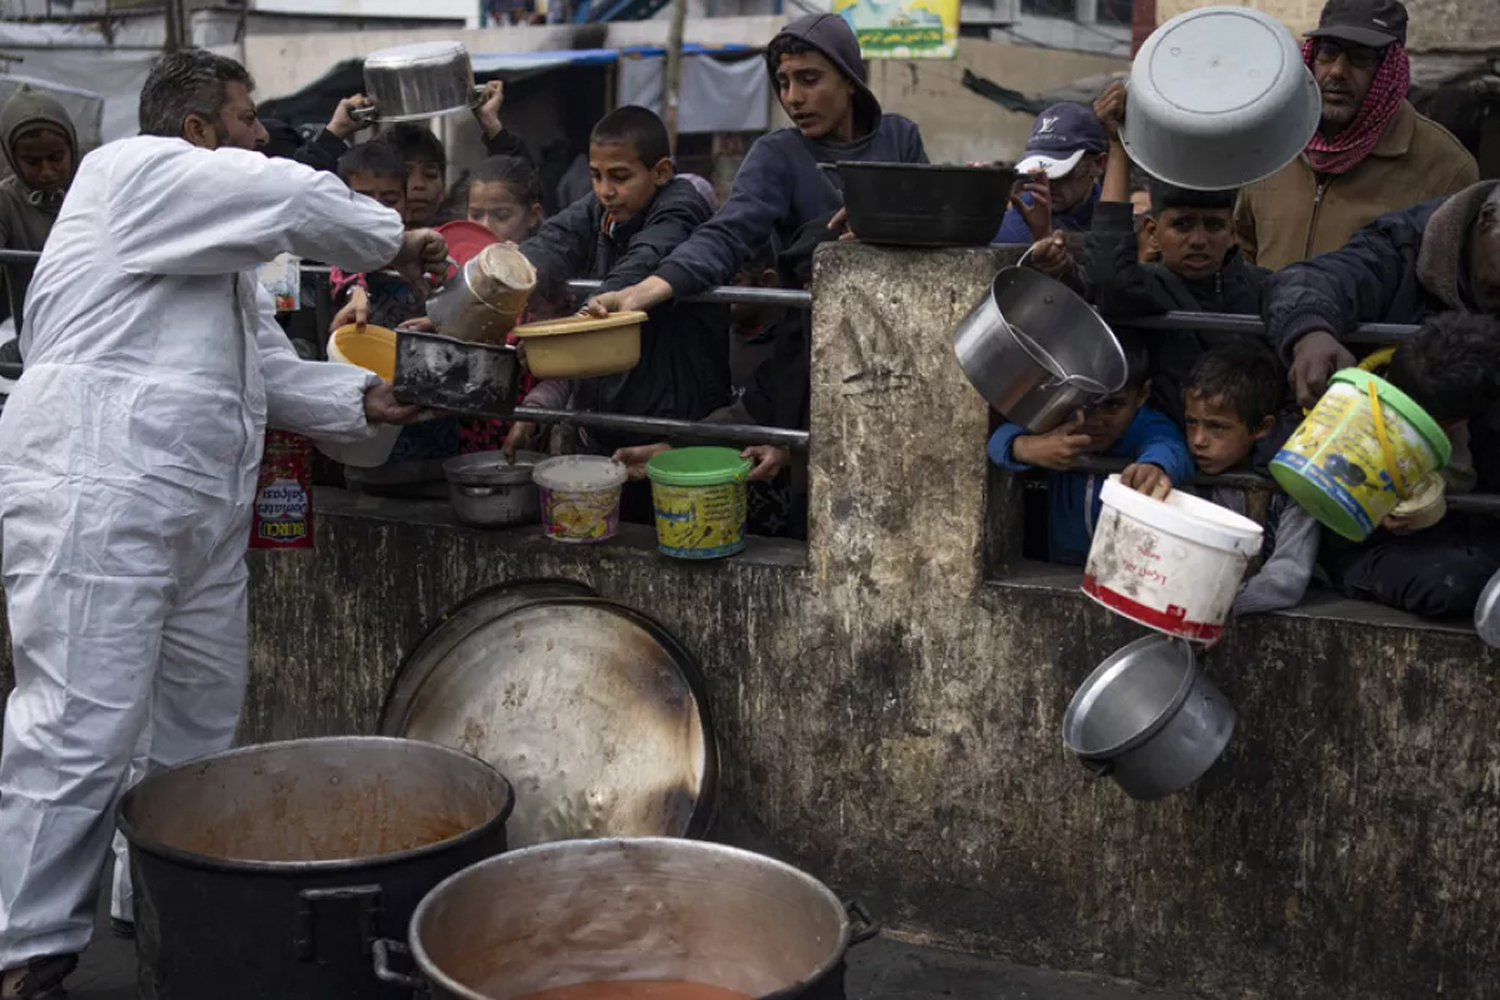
[{"x": 283, "y": 498}]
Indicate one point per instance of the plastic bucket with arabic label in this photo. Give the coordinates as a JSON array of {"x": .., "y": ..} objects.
[
  {"x": 699, "y": 495},
  {"x": 1174, "y": 565},
  {"x": 1349, "y": 469},
  {"x": 580, "y": 497}
]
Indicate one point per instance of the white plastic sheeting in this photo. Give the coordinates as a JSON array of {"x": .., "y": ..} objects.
[{"x": 716, "y": 96}]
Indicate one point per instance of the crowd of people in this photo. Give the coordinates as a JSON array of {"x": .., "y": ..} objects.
[{"x": 1382, "y": 219}]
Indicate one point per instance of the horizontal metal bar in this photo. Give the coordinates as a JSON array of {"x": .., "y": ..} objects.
[
  {"x": 1365, "y": 333},
  {"x": 1473, "y": 503},
  {"x": 694, "y": 429},
  {"x": 794, "y": 298}
]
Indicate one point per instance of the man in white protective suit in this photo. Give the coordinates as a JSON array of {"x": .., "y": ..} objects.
[{"x": 128, "y": 459}]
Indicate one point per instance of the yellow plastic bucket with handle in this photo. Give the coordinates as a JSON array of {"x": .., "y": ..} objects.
[
  {"x": 700, "y": 499},
  {"x": 1359, "y": 453}
]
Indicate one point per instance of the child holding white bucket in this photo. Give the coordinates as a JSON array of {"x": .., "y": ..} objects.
[
  {"x": 1120, "y": 425},
  {"x": 1231, "y": 398}
]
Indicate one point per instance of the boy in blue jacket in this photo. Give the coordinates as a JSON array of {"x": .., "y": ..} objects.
[{"x": 1120, "y": 425}]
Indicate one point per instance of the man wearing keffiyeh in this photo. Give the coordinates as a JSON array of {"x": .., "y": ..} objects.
[{"x": 1372, "y": 154}]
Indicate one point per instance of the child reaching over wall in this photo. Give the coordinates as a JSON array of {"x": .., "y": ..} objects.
[
  {"x": 1120, "y": 425},
  {"x": 1231, "y": 398}
]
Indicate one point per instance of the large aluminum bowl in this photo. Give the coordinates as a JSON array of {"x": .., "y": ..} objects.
[
  {"x": 422, "y": 80},
  {"x": 1219, "y": 98}
]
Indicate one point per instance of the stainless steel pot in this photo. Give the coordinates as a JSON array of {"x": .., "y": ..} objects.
[
  {"x": 422, "y": 80},
  {"x": 1487, "y": 613},
  {"x": 652, "y": 908},
  {"x": 488, "y": 491},
  {"x": 1149, "y": 718},
  {"x": 1036, "y": 351},
  {"x": 268, "y": 871}
]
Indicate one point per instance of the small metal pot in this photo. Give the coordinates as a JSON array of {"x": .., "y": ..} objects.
[
  {"x": 422, "y": 80},
  {"x": 1036, "y": 351},
  {"x": 1149, "y": 718},
  {"x": 488, "y": 491},
  {"x": 584, "y": 911},
  {"x": 461, "y": 376}
]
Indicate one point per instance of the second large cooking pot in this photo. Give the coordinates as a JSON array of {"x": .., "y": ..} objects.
[
  {"x": 417, "y": 81},
  {"x": 596, "y": 911},
  {"x": 1036, "y": 351},
  {"x": 270, "y": 871}
]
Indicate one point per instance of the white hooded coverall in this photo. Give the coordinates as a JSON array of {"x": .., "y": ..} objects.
[{"x": 129, "y": 453}]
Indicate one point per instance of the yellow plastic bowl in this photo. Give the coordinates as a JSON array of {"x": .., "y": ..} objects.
[
  {"x": 581, "y": 346},
  {"x": 373, "y": 349}
]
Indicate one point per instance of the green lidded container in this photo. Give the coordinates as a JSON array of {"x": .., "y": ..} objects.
[
  {"x": 1334, "y": 466},
  {"x": 699, "y": 495}
]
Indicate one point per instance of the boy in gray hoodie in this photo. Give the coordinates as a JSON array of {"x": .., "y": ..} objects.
[{"x": 41, "y": 148}]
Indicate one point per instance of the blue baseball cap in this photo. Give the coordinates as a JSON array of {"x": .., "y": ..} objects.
[{"x": 1060, "y": 138}]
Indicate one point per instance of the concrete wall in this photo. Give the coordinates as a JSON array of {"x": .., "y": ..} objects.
[
  {"x": 890, "y": 702},
  {"x": 957, "y": 124},
  {"x": 1435, "y": 24}
]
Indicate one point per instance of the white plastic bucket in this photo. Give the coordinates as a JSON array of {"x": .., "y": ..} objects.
[{"x": 1174, "y": 565}]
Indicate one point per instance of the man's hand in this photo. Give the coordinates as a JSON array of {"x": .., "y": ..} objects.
[
  {"x": 356, "y": 311},
  {"x": 1152, "y": 480},
  {"x": 1056, "y": 450},
  {"x": 522, "y": 437},
  {"x": 1110, "y": 109},
  {"x": 423, "y": 252},
  {"x": 421, "y": 324},
  {"x": 1052, "y": 257},
  {"x": 487, "y": 111},
  {"x": 770, "y": 459},
  {"x": 635, "y": 459},
  {"x": 1316, "y": 356},
  {"x": 382, "y": 406},
  {"x": 1038, "y": 214},
  {"x": 343, "y": 123},
  {"x": 640, "y": 297}
]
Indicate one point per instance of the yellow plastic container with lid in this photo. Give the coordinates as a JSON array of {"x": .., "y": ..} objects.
[{"x": 701, "y": 501}]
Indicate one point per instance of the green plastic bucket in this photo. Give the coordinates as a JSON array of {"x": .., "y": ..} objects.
[
  {"x": 700, "y": 501},
  {"x": 1334, "y": 465}
]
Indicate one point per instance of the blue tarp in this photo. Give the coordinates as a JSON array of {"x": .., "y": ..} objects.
[{"x": 522, "y": 62}]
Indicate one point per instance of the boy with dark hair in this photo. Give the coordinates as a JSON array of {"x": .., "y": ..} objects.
[
  {"x": 1451, "y": 368},
  {"x": 426, "y": 168},
  {"x": 819, "y": 74},
  {"x": 1232, "y": 397},
  {"x": 1120, "y": 425},
  {"x": 639, "y": 212},
  {"x": 375, "y": 170},
  {"x": 1196, "y": 267}
]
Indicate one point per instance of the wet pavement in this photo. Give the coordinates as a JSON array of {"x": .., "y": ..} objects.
[{"x": 883, "y": 969}]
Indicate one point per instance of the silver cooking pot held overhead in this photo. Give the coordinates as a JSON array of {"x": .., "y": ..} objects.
[{"x": 417, "y": 81}]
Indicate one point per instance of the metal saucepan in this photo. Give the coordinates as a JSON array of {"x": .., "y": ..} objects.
[
  {"x": 1036, "y": 351},
  {"x": 651, "y": 908},
  {"x": 1149, "y": 718},
  {"x": 489, "y": 491},
  {"x": 417, "y": 81}
]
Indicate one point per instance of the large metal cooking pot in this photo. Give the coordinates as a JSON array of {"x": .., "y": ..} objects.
[
  {"x": 595, "y": 712},
  {"x": 421, "y": 80},
  {"x": 1036, "y": 351},
  {"x": 270, "y": 871},
  {"x": 1219, "y": 98},
  {"x": 1149, "y": 718},
  {"x": 601, "y": 910},
  {"x": 461, "y": 376},
  {"x": 924, "y": 204}
]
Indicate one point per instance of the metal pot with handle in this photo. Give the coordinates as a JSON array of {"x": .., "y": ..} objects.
[
  {"x": 417, "y": 81},
  {"x": 1036, "y": 351}
]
